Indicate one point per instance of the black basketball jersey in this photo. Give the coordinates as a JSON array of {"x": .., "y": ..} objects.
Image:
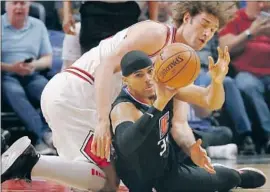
[{"x": 153, "y": 156}]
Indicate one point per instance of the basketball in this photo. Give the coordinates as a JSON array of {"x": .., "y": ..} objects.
[{"x": 177, "y": 65}]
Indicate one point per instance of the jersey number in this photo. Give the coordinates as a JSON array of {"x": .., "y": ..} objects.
[{"x": 163, "y": 129}]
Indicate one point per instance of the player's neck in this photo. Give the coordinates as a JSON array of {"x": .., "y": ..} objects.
[
  {"x": 139, "y": 98},
  {"x": 179, "y": 38}
]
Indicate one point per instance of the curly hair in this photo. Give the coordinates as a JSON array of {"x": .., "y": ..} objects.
[{"x": 194, "y": 8}]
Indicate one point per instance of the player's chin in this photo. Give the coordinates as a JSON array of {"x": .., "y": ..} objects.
[
  {"x": 198, "y": 46},
  {"x": 149, "y": 93}
]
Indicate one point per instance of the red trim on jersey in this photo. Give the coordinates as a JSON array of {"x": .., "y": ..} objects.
[
  {"x": 167, "y": 40},
  {"x": 83, "y": 71},
  {"x": 78, "y": 75}
]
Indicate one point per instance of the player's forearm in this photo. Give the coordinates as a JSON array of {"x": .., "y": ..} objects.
[
  {"x": 215, "y": 96},
  {"x": 44, "y": 62},
  {"x": 131, "y": 136},
  {"x": 103, "y": 90},
  {"x": 183, "y": 136}
]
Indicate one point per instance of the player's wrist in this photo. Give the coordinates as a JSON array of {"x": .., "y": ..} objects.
[
  {"x": 217, "y": 81},
  {"x": 104, "y": 120}
]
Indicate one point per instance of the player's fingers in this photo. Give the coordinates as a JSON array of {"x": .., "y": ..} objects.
[
  {"x": 207, "y": 162},
  {"x": 98, "y": 147},
  {"x": 225, "y": 51},
  {"x": 209, "y": 170},
  {"x": 203, "y": 151},
  {"x": 220, "y": 53},
  {"x": 93, "y": 146},
  {"x": 107, "y": 148},
  {"x": 228, "y": 58},
  {"x": 198, "y": 142},
  {"x": 211, "y": 62},
  {"x": 210, "y": 166},
  {"x": 102, "y": 148}
]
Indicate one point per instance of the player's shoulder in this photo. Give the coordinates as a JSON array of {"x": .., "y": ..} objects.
[
  {"x": 124, "y": 106},
  {"x": 151, "y": 28},
  {"x": 125, "y": 110}
]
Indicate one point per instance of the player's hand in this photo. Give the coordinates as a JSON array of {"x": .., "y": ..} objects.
[
  {"x": 102, "y": 140},
  {"x": 219, "y": 70},
  {"x": 200, "y": 158},
  {"x": 164, "y": 94},
  {"x": 69, "y": 24}
]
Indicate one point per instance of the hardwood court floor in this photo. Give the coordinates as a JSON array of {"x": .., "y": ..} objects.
[{"x": 260, "y": 162}]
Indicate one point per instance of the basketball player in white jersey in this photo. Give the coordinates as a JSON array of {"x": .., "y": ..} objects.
[{"x": 76, "y": 103}]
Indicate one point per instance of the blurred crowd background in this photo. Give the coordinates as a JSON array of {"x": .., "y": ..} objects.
[{"x": 37, "y": 43}]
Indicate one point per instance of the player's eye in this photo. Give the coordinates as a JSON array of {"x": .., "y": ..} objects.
[
  {"x": 150, "y": 71},
  {"x": 138, "y": 75}
]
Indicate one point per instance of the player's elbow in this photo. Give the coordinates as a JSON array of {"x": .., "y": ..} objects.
[
  {"x": 214, "y": 106},
  {"x": 109, "y": 65}
]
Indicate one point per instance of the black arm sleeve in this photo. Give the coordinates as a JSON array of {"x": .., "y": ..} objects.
[{"x": 130, "y": 136}]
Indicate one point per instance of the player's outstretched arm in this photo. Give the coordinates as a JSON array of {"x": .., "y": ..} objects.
[
  {"x": 184, "y": 137},
  {"x": 213, "y": 96},
  {"x": 131, "y": 127},
  {"x": 181, "y": 132},
  {"x": 148, "y": 37}
]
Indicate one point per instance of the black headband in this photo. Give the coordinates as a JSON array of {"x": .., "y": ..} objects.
[{"x": 134, "y": 61}]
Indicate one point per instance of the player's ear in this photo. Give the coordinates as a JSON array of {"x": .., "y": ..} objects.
[
  {"x": 186, "y": 18},
  {"x": 124, "y": 80}
]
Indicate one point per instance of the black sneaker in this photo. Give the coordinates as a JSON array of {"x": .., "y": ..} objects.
[
  {"x": 18, "y": 160},
  {"x": 247, "y": 147},
  {"x": 251, "y": 178}
]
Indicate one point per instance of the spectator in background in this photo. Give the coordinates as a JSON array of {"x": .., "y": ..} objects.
[
  {"x": 52, "y": 20},
  {"x": 102, "y": 19},
  {"x": 25, "y": 37},
  {"x": 71, "y": 48},
  {"x": 248, "y": 39},
  {"x": 234, "y": 104}
]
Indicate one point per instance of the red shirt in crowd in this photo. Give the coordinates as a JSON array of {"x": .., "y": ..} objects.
[{"x": 256, "y": 55}]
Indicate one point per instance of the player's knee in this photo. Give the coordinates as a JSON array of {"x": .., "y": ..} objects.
[
  {"x": 227, "y": 178},
  {"x": 97, "y": 181},
  {"x": 234, "y": 179}
]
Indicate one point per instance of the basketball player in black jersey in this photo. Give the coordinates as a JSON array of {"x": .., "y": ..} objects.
[{"x": 144, "y": 121}]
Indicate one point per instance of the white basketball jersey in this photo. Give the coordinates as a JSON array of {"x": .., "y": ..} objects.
[{"x": 91, "y": 59}]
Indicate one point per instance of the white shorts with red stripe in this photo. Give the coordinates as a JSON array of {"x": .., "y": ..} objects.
[{"x": 69, "y": 107}]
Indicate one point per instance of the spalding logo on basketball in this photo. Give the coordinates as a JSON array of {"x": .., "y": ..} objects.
[{"x": 177, "y": 65}]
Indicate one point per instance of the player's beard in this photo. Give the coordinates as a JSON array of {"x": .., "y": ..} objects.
[{"x": 152, "y": 98}]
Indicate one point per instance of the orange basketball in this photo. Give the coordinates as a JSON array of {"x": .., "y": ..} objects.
[{"x": 177, "y": 65}]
